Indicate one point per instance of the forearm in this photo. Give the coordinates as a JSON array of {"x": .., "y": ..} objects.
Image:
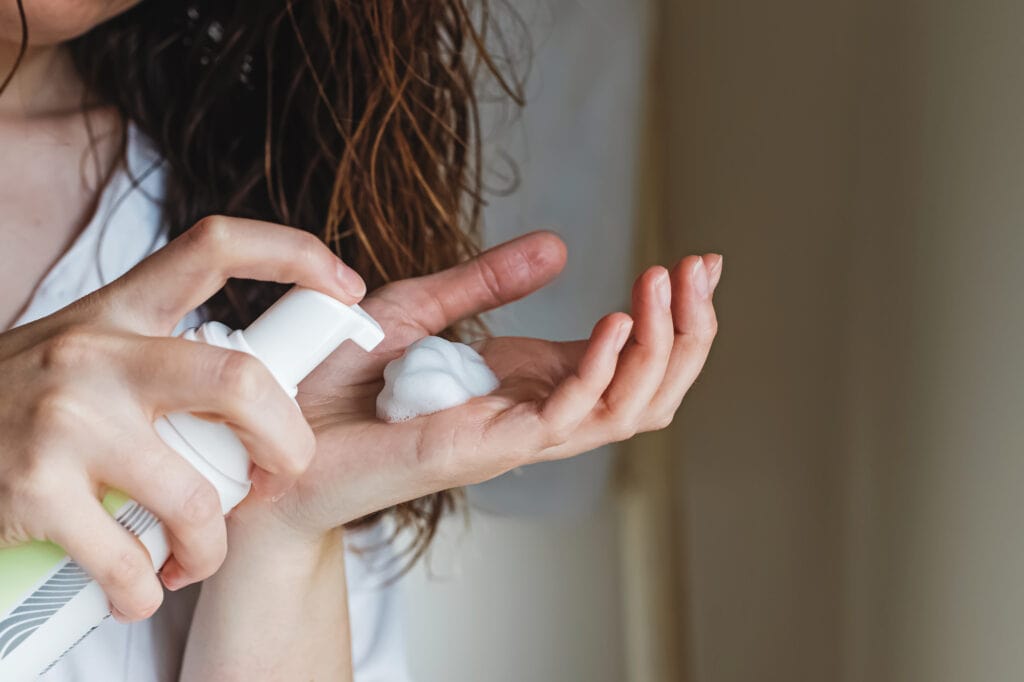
[{"x": 276, "y": 610}]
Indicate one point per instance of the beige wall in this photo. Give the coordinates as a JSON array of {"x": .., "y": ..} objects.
[
  {"x": 761, "y": 121},
  {"x": 941, "y": 455},
  {"x": 852, "y": 484}
]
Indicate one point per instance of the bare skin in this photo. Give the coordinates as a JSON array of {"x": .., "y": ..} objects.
[{"x": 44, "y": 133}]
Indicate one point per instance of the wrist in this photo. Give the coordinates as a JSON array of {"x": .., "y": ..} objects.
[
  {"x": 277, "y": 607},
  {"x": 256, "y": 527}
]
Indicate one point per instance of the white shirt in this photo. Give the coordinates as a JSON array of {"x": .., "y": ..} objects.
[{"x": 124, "y": 230}]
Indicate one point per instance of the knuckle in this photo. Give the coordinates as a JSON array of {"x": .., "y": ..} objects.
[
  {"x": 71, "y": 347},
  {"x": 199, "y": 505},
  {"x": 212, "y": 233},
  {"x": 709, "y": 332},
  {"x": 310, "y": 249},
  {"x": 127, "y": 575},
  {"x": 55, "y": 409},
  {"x": 28, "y": 489},
  {"x": 242, "y": 377},
  {"x": 557, "y": 434},
  {"x": 701, "y": 338},
  {"x": 489, "y": 277}
]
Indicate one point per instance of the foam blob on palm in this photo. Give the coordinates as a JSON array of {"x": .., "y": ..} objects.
[{"x": 432, "y": 375}]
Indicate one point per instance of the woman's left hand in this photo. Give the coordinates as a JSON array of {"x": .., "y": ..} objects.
[{"x": 555, "y": 400}]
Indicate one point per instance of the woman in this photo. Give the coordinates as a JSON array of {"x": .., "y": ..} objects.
[{"x": 324, "y": 129}]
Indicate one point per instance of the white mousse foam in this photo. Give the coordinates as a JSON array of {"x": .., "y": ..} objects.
[{"x": 432, "y": 375}]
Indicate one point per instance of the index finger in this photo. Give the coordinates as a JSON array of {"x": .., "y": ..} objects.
[
  {"x": 497, "y": 276},
  {"x": 178, "y": 278}
]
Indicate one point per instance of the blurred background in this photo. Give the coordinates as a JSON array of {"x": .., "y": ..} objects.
[{"x": 839, "y": 497}]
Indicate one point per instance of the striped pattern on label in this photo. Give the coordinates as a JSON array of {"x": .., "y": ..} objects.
[{"x": 60, "y": 588}]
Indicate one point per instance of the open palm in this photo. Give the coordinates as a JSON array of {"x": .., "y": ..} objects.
[{"x": 556, "y": 399}]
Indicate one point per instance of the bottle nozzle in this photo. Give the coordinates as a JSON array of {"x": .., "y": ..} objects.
[{"x": 302, "y": 328}]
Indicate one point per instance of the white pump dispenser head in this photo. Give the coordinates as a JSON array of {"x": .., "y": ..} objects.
[{"x": 302, "y": 328}]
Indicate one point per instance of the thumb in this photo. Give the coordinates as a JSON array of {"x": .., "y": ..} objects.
[
  {"x": 154, "y": 295},
  {"x": 497, "y": 276}
]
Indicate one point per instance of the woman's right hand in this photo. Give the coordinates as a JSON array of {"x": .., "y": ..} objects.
[{"x": 82, "y": 387}]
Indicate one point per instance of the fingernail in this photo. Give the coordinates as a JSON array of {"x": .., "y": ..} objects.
[
  {"x": 170, "y": 579},
  {"x": 716, "y": 271},
  {"x": 699, "y": 277},
  {"x": 664, "y": 290},
  {"x": 622, "y": 335},
  {"x": 351, "y": 282}
]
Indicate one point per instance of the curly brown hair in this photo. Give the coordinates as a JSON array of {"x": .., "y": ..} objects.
[{"x": 356, "y": 120}]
